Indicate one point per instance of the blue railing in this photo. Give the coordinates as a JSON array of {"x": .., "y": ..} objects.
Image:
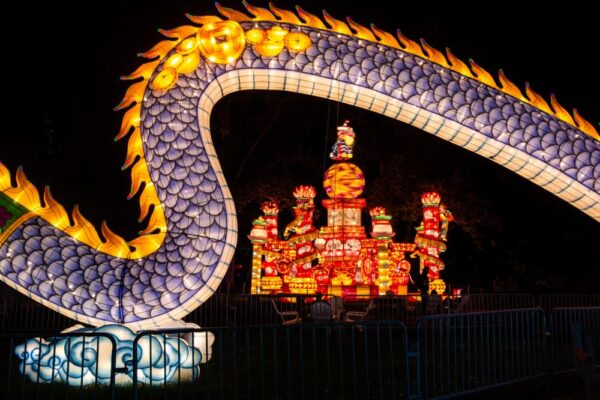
[
  {"x": 562, "y": 321},
  {"x": 466, "y": 352}
]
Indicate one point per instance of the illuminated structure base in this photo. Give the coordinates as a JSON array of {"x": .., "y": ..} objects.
[{"x": 86, "y": 360}]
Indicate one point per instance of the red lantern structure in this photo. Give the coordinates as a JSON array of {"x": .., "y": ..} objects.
[{"x": 340, "y": 258}]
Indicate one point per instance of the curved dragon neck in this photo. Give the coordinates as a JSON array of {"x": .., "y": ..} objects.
[{"x": 181, "y": 258}]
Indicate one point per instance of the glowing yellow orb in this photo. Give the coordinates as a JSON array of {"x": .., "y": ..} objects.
[
  {"x": 344, "y": 181},
  {"x": 187, "y": 45},
  {"x": 174, "y": 61},
  {"x": 254, "y": 36},
  {"x": 276, "y": 33},
  {"x": 296, "y": 41},
  {"x": 269, "y": 48},
  {"x": 189, "y": 63},
  {"x": 165, "y": 79}
]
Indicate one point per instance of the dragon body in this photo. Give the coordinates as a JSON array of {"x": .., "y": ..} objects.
[{"x": 62, "y": 262}]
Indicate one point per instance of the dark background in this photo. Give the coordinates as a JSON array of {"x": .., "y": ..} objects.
[{"x": 61, "y": 69}]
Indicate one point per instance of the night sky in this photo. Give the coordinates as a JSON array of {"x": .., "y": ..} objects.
[{"x": 61, "y": 82}]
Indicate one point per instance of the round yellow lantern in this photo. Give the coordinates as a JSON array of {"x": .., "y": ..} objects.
[
  {"x": 297, "y": 41},
  {"x": 254, "y": 36},
  {"x": 269, "y": 48},
  {"x": 165, "y": 79},
  {"x": 344, "y": 181}
]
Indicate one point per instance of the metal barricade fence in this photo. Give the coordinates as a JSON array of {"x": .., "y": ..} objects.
[
  {"x": 326, "y": 361},
  {"x": 42, "y": 370},
  {"x": 479, "y": 302},
  {"x": 470, "y": 352},
  {"x": 562, "y": 341},
  {"x": 564, "y": 300},
  {"x": 18, "y": 313},
  {"x": 244, "y": 310}
]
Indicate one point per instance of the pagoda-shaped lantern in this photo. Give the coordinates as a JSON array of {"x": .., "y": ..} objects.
[
  {"x": 270, "y": 210},
  {"x": 431, "y": 235},
  {"x": 340, "y": 258},
  {"x": 381, "y": 222}
]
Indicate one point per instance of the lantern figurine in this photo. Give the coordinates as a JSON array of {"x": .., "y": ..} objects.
[
  {"x": 342, "y": 149},
  {"x": 430, "y": 238}
]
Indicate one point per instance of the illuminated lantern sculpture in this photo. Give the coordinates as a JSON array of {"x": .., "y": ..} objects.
[
  {"x": 431, "y": 235},
  {"x": 300, "y": 233},
  {"x": 342, "y": 149},
  {"x": 338, "y": 258}
]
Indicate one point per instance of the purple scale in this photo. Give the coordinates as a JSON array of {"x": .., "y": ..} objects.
[
  {"x": 516, "y": 138},
  {"x": 476, "y": 108}
]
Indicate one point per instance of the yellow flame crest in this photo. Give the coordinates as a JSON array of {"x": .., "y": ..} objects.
[{"x": 423, "y": 50}]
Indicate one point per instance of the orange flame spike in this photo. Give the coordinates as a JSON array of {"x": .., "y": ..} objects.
[
  {"x": 582, "y": 124},
  {"x": 482, "y": 75},
  {"x": 157, "y": 221},
  {"x": 131, "y": 119},
  {"x": 180, "y": 32},
  {"x": 537, "y": 100},
  {"x": 53, "y": 212},
  {"x": 24, "y": 193},
  {"x": 146, "y": 244},
  {"x": 160, "y": 49},
  {"x": 560, "y": 111},
  {"x": 4, "y": 178},
  {"x": 143, "y": 71},
  {"x": 83, "y": 230},
  {"x": 147, "y": 198},
  {"x": 310, "y": 19},
  {"x": 361, "y": 31},
  {"x": 336, "y": 25},
  {"x": 509, "y": 87},
  {"x": 385, "y": 38},
  {"x": 114, "y": 244},
  {"x": 134, "y": 94},
  {"x": 139, "y": 175},
  {"x": 285, "y": 15},
  {"x": 260, "y": 14},
  {"x": 203, "y": 19},
  {"x": 134, "y": 148},
  {"x": 434, "y": 54},
  {"x": 232, "y": 14},
  {"x": 410, "y": 46},
  {"x": 458, "y": 65}
]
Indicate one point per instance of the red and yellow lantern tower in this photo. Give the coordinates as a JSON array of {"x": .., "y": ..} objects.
[
  {"x": 340, "y": 258},
  {"x": 431, "y": 238}
]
